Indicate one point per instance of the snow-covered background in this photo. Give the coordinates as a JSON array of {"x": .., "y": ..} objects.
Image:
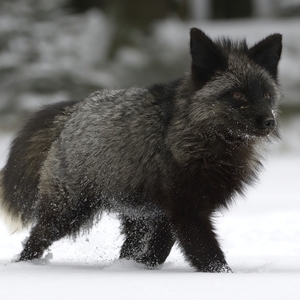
[
  {"x": 260, "y": 234},
  {"x": 68, "y": 56}
]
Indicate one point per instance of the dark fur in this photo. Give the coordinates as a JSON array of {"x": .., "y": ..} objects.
[{"x": 163, "y": 158}]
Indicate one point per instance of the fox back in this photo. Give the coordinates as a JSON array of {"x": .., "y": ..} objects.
[{"x": 162, "y": 158}]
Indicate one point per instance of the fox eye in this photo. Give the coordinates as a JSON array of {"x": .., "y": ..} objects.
[
  {"x": 267, "y": 96},
  {"x": 238, "y": 95}
]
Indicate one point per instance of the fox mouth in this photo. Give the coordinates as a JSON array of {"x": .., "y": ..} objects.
[
  {"x": 239, "y": 135},
  {"x": 266, "y": 130},
  {"x": 258, "y": 128}
]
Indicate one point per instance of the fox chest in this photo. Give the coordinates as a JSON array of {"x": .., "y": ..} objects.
[{"x": 209, "y": 184}]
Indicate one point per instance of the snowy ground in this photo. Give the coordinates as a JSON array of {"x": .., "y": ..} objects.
[{"x": 260, "y": 236}]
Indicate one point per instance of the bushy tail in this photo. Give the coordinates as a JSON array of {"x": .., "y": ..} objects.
[
  {"x": 13, "y": 223},
  {"x": 19, "y": 179}
]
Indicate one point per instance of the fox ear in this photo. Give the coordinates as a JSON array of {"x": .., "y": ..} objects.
[
  {"x": 267, "y": 53},
  {"x": 207, "y": 57}
]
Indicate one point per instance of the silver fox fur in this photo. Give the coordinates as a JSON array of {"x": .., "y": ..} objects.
[{"x": 162, "y": 158}]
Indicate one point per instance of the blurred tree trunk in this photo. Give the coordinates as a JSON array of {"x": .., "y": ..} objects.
[
  {"x": 140, "y": 14},
  {"x": 134, "y": 13},
  {"x": 131, "y": 15},
  {"x": 229, "y": 9},
  {"x": 81, "y": 6}
]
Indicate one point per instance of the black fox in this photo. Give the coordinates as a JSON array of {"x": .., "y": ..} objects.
[{"x": 163, "y": 158}]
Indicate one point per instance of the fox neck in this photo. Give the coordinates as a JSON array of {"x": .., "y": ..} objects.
[{"x": 204, "y": 147}]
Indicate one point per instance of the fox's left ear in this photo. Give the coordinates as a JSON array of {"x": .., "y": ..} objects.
[{"x": 267, "y": 53}]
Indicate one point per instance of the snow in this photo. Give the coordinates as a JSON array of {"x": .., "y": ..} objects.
[{"x": 260, "y": 236}]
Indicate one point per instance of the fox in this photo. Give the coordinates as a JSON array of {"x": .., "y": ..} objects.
[{"x": 164, "y": 159}]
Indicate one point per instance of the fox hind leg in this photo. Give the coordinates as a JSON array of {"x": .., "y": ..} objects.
[
  {"x": 52, "y": 225},
  {"x": 42, "y": 235},
  {"x": 147, "y": 241}
]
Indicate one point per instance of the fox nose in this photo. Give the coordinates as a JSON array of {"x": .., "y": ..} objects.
[{"x": 269, "y": 123}]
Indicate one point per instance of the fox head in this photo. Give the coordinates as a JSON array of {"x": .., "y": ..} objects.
[{"x": 235, "y": 90}]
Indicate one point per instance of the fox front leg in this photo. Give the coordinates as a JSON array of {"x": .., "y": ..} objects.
[{"x": 199, "y": 244}]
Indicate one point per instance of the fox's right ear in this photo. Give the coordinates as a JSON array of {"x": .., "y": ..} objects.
[
  {"x": 267, "y": 53},
  {"x": 207, "y": 57}
]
